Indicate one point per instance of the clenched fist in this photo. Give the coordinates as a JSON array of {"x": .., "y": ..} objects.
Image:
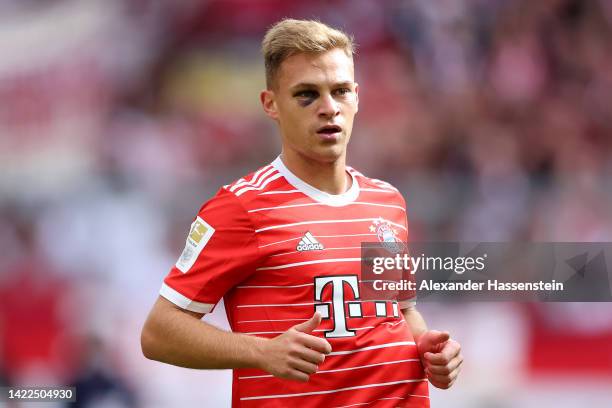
[{"x": 441, "y": 357}]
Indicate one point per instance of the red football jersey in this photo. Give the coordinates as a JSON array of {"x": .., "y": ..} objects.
[{"x": 277, "y": 250}]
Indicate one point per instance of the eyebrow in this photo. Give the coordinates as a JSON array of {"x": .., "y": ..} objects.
[{"x": 308, "y": 85}]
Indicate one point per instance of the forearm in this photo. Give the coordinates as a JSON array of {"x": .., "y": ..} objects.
[
  {"x": 174, "y": 337},
  {"x": 415, "y": 322}
]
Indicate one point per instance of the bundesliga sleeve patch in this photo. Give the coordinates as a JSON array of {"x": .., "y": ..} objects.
[{"x": 198, "y": 237}]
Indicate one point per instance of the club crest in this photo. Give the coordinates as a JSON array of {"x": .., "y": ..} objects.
[{"x": 386, "y": 234}]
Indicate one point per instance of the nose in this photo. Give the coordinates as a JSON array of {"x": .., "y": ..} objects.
[{"x": 328, "y": 107}]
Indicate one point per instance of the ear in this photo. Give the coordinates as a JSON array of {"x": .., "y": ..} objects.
[
  {"x": 357, "y": 97},
  {"x": 268, "y": 102}
]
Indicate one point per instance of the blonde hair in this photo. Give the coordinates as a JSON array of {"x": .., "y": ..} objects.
[{"x": 289, "y": 37}]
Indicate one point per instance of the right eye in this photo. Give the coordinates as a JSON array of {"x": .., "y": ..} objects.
[{"x": 306, "y": 94}]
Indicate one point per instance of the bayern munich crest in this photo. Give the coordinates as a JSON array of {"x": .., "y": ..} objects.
[{"x": 386, "y": 234}]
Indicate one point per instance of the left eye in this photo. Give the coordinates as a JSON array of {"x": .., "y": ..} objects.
[{"x": 343, "y": 91}]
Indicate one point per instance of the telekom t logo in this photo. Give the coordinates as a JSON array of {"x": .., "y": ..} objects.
[{"x": 354, "y": 308}]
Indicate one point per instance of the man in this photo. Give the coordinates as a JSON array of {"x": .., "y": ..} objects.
[{"x": 282, "y": 246}]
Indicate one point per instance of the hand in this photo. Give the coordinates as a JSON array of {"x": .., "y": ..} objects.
[
  {"x": 295, "y": 354},
  {"x": 441, "y": 357}
]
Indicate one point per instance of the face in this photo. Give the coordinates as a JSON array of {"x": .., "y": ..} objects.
[{"x": 314, "y": 102}]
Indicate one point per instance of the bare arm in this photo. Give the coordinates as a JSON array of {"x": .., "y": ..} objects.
[
  {"x": 415, "y": 322},
  {"x": 178, "y": 337}
]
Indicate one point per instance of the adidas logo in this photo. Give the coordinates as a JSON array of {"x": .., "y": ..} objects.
[{"x": 309, "y": 243}]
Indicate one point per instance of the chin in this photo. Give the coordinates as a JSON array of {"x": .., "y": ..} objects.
[{"x": 328, "y": 154}]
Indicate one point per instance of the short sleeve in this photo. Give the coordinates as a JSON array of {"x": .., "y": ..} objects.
[
  {"x": 220, "y": 252},
  {"x": 407, "y": 298}
]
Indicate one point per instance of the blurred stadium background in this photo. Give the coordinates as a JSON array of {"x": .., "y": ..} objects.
[{"x": 118, "y": 118}]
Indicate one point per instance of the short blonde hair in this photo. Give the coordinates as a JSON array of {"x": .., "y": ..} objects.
[{"x": 289, "y": 37}]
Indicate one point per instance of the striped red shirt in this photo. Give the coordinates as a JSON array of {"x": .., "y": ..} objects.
[{"x": 277, "y": 250}]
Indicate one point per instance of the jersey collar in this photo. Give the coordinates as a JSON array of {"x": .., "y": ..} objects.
[{"x": 334, "y": 200}]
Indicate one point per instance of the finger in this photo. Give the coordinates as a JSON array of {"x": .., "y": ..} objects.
[
  {"x": 450, "y": 351},
  {"x": 296, "y": 375},
  {"x": 311, "y": 355},
  {"x": 440, "y": 337},
  {"x": 309, "y": 325},
  {"x": 303, "y": 366},
  {"x": 446, "y": 369},
  {"x": 442, "y": 379},
  {"x": 440, "y": 385},
  {"x": 435, "y": 359},
  {"x": 315, "y": 343},
  {"x": 432, "y": 341}
]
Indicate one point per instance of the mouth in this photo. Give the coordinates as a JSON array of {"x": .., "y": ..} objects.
[{"x": 329, "y": 132}]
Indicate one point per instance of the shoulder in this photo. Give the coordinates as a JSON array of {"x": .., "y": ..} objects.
[
  {"x": 376, "y": 188},
  {"x": 254, "y": 181},
  {"x": 249, "y": 190},
  {"x": 371, "y": 183}
]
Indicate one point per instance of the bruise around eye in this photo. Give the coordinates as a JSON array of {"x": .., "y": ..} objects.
[
  {"x": 303, "y": 102},
  {"x": 305, "y": 98}
]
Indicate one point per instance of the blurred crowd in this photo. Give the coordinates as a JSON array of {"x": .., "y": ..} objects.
[{"x": 118, "y": 118}]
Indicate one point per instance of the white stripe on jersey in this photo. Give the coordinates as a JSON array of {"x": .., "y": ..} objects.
[
  {"x": 243, "y": 182},
  {"x": 318, "y": 236},
  {"x": 262, "y": 177},
  {"x": 318, "y": 330},
  {"x": 255, "y": 181},
  {"x": 261, "y": 187},
  {"x": 341, "y": 369},
  {"x": 368, "y": 403},
  {"x": 301, "y": 394},
  {"x": 326, "y": 222},
  {"x": 285, "y": 304},
  {"x": 280, "y": 192},
  {"x": 380, "y": 399},
  {"x": 318, "y": 261},
  {"x": 280, "y": 242},
  {"x": 379, "y": 346},
  {"x": 240, "y": 180},
  {"x": 312, "y": 303},
  {"x": 294, "y": 286},
  {"x": 376, "y": 190},
  {"x": 278, "y": 207},
  {"x": 384, "y": 184},
  {"x": 275, "y": 287},
  {"x": 378, "y": 182},
  {"x": 409, "y": 360},
  {"x": 284, "y": 206},
  {"x": 272, "y": 320}
]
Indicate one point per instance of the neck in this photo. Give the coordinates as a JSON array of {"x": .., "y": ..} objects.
[{"x": 330, "y": 177}]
